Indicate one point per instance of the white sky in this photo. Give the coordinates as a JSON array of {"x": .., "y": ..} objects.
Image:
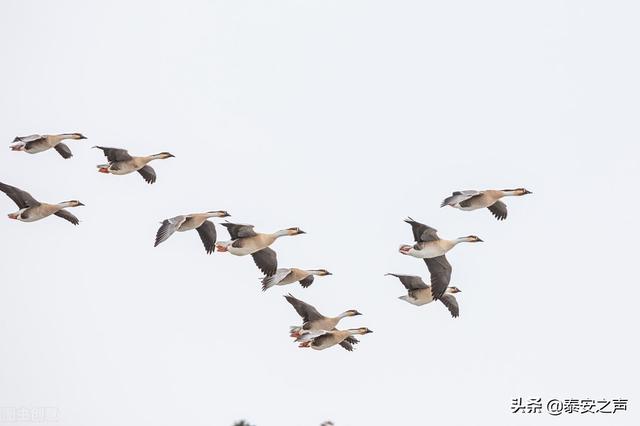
[{"x": 341, "y": 117}]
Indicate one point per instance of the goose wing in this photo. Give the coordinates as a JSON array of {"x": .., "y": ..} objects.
[
  {"x": 27, "y": 139},
  {"x": 208, "y": 235},
  {"x": 271, "y": 280},
  {"x": 440, "y": 270},
  {"x": 422, "y": 232},
  {"x": 237, "y": 230},
  {"x": 410, "y": 282},
  {"x": 459, "y": 196},
  {"x": 67, "y": 216},
  {"x": 499, "y": 210},
  {"x": 306, "y": 282},
  {"x": 305, "y": 310},
  {"x": 115, "y": 154},
  {"x": 266, "y": 260},
  {"x": 148, "y": 174},
  {"x": 22, "y": 198},
  {"x": 348, "y": 346},
  {"x": 63, "y": 150},
  {"x": 451, "y": 303},
  {"x": 168, "y": 227}
]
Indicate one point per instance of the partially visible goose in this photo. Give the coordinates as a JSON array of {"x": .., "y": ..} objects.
[
  {"x": 32, "y": 210},
  {"x": 419, "y": 293},
  {"x": 286, "y": 276},
  {"x": 121, "y": 163},
  {"x": 198, "y": 221},
  {"x": 314, "y": 320},
  {"x": 244, "y": 241},
  {"x": 33, "y": 144},
  {"x": 490, "y": 199},
  {"x": 323, "y": 339},
  {"x": 432, "y": 249}
]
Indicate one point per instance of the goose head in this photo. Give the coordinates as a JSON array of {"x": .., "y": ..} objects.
[
  {"x": 294, "y": 231},
  {"x": 351, "y": 313},
  {"x": 453, "y": 290},
  {"x": 72, "y": 203},
  {"x": 470, "y": 239},
  {"x": 517, "y": 192},
  {"x": 361, "y": 330},
  {"x": 78, "y": 136},
  {"x": 218, "y": 213},
  {"x": 320, "y": 272},
  {"x": 163, "y": 155}
]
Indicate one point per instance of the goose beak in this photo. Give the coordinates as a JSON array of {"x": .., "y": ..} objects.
[
  {"x": 82, "y": 137},
  {"x": 526, "y": 191},
  {"x": 80, "y": 204}
]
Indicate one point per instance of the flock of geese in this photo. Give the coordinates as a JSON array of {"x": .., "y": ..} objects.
[{"x": 317, "y": 331}]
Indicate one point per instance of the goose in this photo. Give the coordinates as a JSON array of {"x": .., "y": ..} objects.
[
  {"x": 244, "y": 241},
  {"x": 121, "y": 163},
  {"x": 419, "y": 293},
  {"x": 323, "y": 339},
  {"x": 33, "y": 144},
  {"x": 32, "y": 210},
  {"x": 284, "y": 276},
  {"x": 198, "y": 221},
  {"x": 314, "y": 320},
  {"x": 490, "y": 199},
  {"x": 432, "y": 249}
]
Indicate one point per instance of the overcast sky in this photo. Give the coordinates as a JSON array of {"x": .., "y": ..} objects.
[{"x": 342, "y": 118}]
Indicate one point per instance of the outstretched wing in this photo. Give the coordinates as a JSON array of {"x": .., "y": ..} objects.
[
  {"x": 305, "y": 310},
  {"x": 271, "y": 280},
  {"x": 499, "y": 210},
  {"x": 422, "y": 232},
  {"x": 22, "y": 198},
  {"x": 207, "y": 232},
  {"x": 115, "y": 154},
  {"x": 346, "y": 345},
  {"x": 63, "y": 150},
  {"x": 27, "y": 139},
  {"x": 440, "y": 270},
  {"x": 410, "y": 282},
  {"x": 266, "y": 260},
  {"x": 67, "y": 216},
  {"x": 458, "y": 197},
  {"x": 237, "y": 230},
  {"x": 168, "y": 227},
  {"x": 451, "y": 303},
  {"x": 307, "y": 281},
  {"x": 148, "y": 174}
]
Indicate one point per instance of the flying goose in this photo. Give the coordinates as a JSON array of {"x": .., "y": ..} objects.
[
  {"x": 490, "y": 199},
  {"x": 314, "y": 320},
  {"x": 33, "y": 144},
  {"x": 198, "y": 221},
  {"x": 419, "y": 293},
  {"x": 286, "y": 276},
  {"x": 32, "y": 210},
  {"x": 323, "y": 339},
  {"x": 244, "y": 241},
  {"x": 432, "y": 249},
  {"x": 121, "y": 163}
]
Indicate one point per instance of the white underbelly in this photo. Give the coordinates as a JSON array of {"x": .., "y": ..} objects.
[
  {"x": 428, "y": 251},
  {"x": 121, "y": 171},
  {"x": 241, "y": 251},
  {"x": 38, "y": 148},
  {"x": 469, "y": 208},
  {"x": 417, "y": 302}
]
